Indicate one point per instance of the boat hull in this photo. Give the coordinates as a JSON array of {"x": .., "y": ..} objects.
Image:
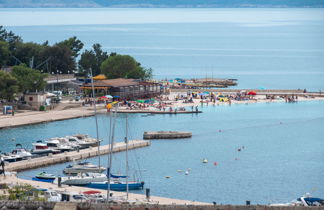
[
  {"x": 117, "y": 186},
  {"x": 43, "y": 180},
  {"x": 82, "y": 181},
  {"x": 83, "y": 170}
]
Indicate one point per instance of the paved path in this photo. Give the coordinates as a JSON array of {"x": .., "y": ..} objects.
[
  {"x": 12, "y": 179},
  {"x": 29, "y": 118}
]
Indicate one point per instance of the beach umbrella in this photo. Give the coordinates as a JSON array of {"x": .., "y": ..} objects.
[
  {"x": 103, "y": 97},
  {"x": 202, "y": 94},
  {"x": 116, "y": 96},
  {"x": 108, "y": 96},
  {"x": 140, "y": 101},
  {"x": 252, "y": 93}
]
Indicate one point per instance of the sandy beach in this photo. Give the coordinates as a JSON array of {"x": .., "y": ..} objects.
[{"x": 175, "y": 101}]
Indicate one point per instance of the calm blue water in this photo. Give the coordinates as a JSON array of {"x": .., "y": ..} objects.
[
  {"x": 270, "y": 48},
  {"x": 283, "y": 156}
]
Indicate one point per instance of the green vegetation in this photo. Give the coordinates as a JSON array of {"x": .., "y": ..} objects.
[
  {"x": 92, "y": 59},
  {"x": 124, "y": 66},
  {"x": 32, "y": 62},
  {"x": 62, "y": 58},
  {"x": 8, "y": 86},
  {"x": 29, "y": 80}
]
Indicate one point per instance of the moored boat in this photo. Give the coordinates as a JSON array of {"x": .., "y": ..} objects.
[
  {"x": 84, "y": 179},
  {"x": 83, "y": 167},
  {"x": 44, "y": 177},
  {"x": 40, "y": 148},
  {"x": 117, "y": 185},
  {"x": 306, "y": 200}
]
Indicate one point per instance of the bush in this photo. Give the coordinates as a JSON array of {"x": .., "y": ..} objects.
[{"x": 42, "y": 108}]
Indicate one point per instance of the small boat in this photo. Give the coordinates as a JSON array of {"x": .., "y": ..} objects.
[
  {"x": 84, "y": 178},
  {"x": 85, "y": 141},
  {"x": 40, "y": 148},
  {"x": 117, "y": 185},
  {"x": 44, "y": 177},
  {"x": 83, "y": 167},
  {"x": 55, "y": 144},
  {"x": 22, "y": 152},
  {"x": 306, "y": 200},
  {"x": 8, "y": 157}
]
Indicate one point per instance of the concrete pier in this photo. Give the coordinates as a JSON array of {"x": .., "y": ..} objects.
[
  {"x": 166, "y": 134},
  {"x": 74, "y": 155}
]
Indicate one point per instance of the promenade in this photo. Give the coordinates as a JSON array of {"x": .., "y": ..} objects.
[{"x": 139, "y": 198}]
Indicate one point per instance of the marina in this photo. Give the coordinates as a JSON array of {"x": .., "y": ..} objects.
[
  {"x": 218, "y": 133},
  {"x": 72, "y": 156},
  {"x": 238, "y": 91}
]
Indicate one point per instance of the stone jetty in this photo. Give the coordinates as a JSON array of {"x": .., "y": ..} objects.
[
  {"x": 166, "y": 134},
  {"x": 74, "y": 155}
]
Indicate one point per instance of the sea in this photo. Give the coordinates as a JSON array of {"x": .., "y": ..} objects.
[
  {"x": 262, "y": 152},
  {"x": 261, "y": 47}
]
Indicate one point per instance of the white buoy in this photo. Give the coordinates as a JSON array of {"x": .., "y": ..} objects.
[
  {"x": 205, "y": 160},
  {"x": 187, "y": 173}
]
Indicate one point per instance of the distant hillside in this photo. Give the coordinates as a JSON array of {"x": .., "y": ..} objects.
[{"x": 160, "y": 3}]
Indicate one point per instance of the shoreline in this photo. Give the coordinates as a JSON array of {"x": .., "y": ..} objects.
[{"x": 171, "y": 106}]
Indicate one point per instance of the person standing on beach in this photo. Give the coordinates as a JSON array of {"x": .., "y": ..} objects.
[{"x": 2, "y": 163}]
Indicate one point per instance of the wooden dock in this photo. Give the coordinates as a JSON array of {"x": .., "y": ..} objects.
[
  {"x": 166, "y": 134},
  {"x": 74, "y": 155}
]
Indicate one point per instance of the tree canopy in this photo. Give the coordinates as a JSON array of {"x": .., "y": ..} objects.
[
  {"x": 124, "y": 66},
  {"x": 8, "y": 86},
  {"x": 92, "y": 59},
  {"x": 61, "y": 57},
  {"x": 29, "y": 80}
]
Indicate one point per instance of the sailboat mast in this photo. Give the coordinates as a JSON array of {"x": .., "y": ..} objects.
[
  {"x": 112, "y": 131},
  {"x": 126, "y": 142},
  {"x": 95, "y": 114}
]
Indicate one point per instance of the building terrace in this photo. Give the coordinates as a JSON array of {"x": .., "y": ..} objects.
[{"x": 129, "y": 89}]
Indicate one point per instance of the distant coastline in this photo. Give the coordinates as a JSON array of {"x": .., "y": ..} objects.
[{"x": 161, "y": 4}]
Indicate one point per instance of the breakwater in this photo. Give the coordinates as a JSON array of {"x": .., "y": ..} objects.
[{"x": 74, "y": 155}]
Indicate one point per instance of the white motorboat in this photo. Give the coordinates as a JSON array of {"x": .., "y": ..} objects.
[
  {"x": 83, "y": 167},
  {"x": 306, "y": 200},
  {"x": 40, "y": 148},
  {"x": 7, "y": 157},
  {"x": 21, "y": 152},
  {"x": 84, "y": 179},
  {"x": 57, "y": 145},
  {"x": 86, "y": 141}
]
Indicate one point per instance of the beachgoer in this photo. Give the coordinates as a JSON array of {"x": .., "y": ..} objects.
[{"x": 2, "y": 163}]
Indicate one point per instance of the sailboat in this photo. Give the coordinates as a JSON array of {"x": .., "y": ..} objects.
[{"x": 115, "y": 182}]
